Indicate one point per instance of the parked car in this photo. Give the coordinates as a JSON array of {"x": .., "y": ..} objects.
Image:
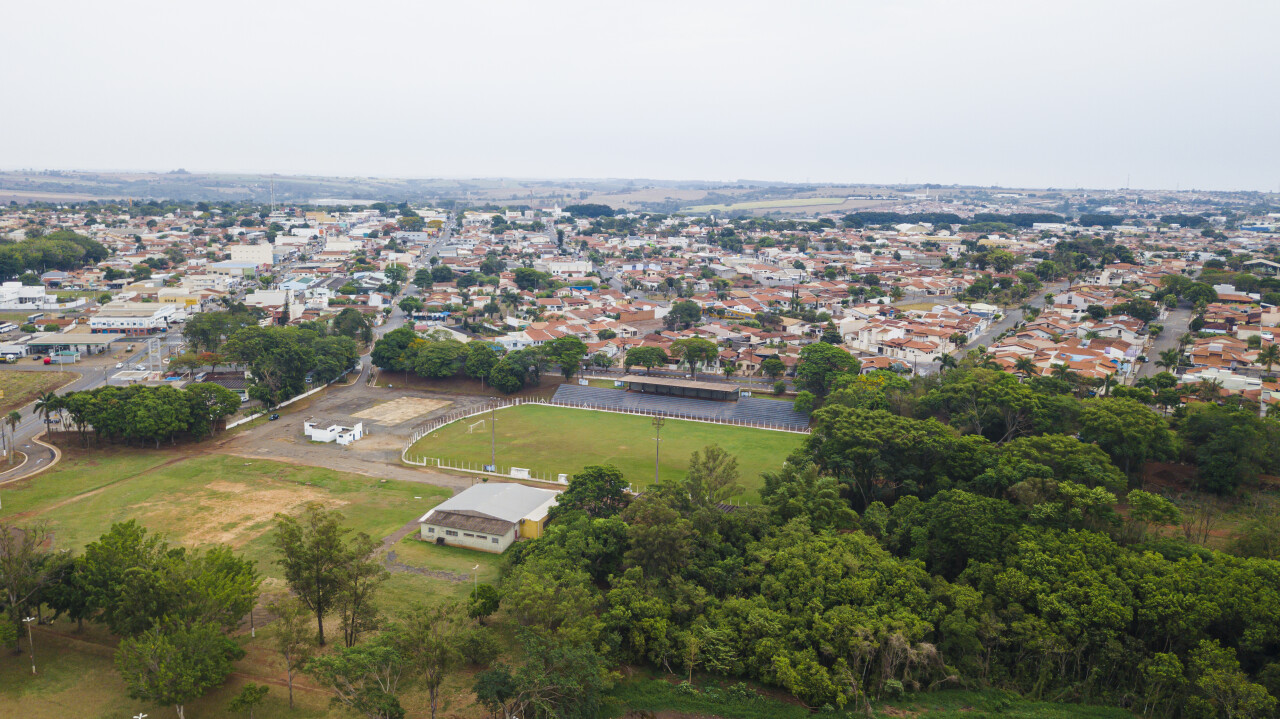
[{"x": 273, "y": 418}]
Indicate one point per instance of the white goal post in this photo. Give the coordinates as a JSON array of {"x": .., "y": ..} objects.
[{"x": 471, "y": 428}]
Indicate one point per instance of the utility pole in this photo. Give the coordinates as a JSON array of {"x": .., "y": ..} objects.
[{"x": 657, "y": 445}]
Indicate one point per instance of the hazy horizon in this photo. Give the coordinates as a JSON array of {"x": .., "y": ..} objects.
[{"x": 1148, "y": 94}]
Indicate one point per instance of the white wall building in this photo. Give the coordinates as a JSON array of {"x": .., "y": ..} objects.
[
  {"x": 20, "y": 297},
  {"x": 257, "y": 254},
  {"x": 325, "y": 430}
]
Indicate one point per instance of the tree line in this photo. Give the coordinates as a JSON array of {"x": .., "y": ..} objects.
[
  {"x": 966, "y": 531},
  {"x": 57, "y": 250},
  {"x": 440, "y": 357},
  {"x": 142, "y": 414}
]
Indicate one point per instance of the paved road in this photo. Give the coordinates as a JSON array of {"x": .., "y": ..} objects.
[
  {"x": 1174, "y": 326},
  {"x": 92, "y": 375}
]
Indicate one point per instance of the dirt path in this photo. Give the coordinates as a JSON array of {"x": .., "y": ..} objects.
[
  {"x": 393, "y": 565},
  {"x": 354, "y": 465}
]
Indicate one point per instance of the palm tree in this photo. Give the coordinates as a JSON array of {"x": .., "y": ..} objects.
[
  {"x": 946, "y": 362},
  {"x": 1169, "y": 359},
  {"x": 1268, "y": 356},
  {"x": 12, "y": 420},
  {"x": 1061, "y": 371},
  {"x": 1092, "y": 335},
  {"x": 46, "y": 405},
  {"x": 1107, "y": 383},
  {"x": 1025, "y": 366},
  {"x": 1209, "y": 390}
]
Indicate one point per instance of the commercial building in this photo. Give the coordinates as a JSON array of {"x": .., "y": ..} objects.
[{"x": 133, "y": 318}]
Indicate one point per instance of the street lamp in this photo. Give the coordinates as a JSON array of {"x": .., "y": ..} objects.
[
  {"x": 30, "y": 643},
  {"x": 139, "y": 716},
  {"x": 475, "y": 579}
]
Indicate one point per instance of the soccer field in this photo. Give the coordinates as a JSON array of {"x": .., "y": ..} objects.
[{"x": 553, "y": 440}]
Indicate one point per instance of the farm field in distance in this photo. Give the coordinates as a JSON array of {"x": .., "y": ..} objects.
[
  {"x": 552, "y": 440},
  {"x": 770, "y": 204}
]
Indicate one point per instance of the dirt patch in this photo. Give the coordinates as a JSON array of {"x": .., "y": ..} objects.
[
  {"x": 400, "y": 410},
  {"x": 233, "y": 513},
  {"x": 1168, "y": 477},
  {"x": 382, "y": 441}
]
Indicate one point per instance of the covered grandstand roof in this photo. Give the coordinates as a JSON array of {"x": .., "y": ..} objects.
[{"x": 684, "y": 383}]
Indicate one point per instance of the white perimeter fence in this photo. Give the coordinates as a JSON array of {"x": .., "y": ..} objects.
[{"x": 477, "y": 468}]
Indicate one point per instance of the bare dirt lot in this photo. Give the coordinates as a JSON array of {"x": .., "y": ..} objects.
[
  {"x": 391, "y": 414},
  {"x": 401, "y": 410}
]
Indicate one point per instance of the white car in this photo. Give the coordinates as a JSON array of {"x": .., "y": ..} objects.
[{"x": 119, "y": 365}]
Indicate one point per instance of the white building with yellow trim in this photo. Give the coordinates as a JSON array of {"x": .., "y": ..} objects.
[{"x": 489, "y": 517}]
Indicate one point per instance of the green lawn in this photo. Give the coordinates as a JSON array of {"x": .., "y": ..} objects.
[
  {"x": 553, "y": 440},
  {"x": 196, "y": 500},
  {"x": 21, "y": 387}
]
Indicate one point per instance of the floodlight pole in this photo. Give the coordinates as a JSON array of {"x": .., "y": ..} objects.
[
  {"x": 493, "y": 437},
  {"x": 31, "y": 645},
  {"x": 657, "y": 445}
]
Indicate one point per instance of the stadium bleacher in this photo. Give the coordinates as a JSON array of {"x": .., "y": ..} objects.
[{"x": 747, "y": 409}]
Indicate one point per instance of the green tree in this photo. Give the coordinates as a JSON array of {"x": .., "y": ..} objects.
[
  {"x": 248, "y": 699},
  {"x": 364, "y": 678},
  {"x": 1221, "y": 687},
  {"x": 355, "y": 324},
  {"x": 712, "y": 476},
  {"x": 313, "y": 554},
  {"x": 1126, "y": 430},
  {"x": 392, "y": 352},
  {"x": 647, "y": 357},
  {"x": 800, "y": 492},
  {"x": 481, "y": 359},
  {"x": 773, "y": 368},
  {"x": 682, "y": 315},
  {"x": 820, "y": 365},
  {"x": 567, "y": 353},
  {"x": 175, "y": 665},
  {"x": 292, "y": 637},
  {"x": 429, "y": 643},
  {"x": 483, "y": 601},
  {"x": 694, "y": 351},
  {"x": 599, "y": 491}
]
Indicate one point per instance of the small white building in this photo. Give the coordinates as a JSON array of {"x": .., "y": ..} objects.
[
  {"x": 488, "y": 517},
  {"x": 327, "y": 430}
]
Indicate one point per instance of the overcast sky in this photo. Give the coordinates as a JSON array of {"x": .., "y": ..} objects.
[{"x": 1159, "y": 93}]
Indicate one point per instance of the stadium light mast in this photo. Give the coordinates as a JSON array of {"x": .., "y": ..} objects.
[
  {"x": 493, "y": 438},
  {"x": 657, "y": 446}
]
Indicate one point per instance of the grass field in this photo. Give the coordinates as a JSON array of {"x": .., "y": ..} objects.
[
  {"x": 554, "y": 440},
  {"x": 197, "y": 500},
  {"x": 769, "y": 204},
  {"x": 21, "y": 387}
]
